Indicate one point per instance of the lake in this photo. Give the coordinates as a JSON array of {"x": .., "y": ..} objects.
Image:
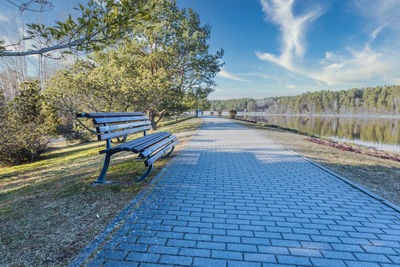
[{"x": 374, "y": 131}]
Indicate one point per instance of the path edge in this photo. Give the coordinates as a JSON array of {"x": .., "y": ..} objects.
[{"x": 87, "y": 252}]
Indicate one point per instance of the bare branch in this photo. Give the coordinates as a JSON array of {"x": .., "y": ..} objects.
[
  {"x": 44, "y": 5},
  {"x": 47, "y": 49}
]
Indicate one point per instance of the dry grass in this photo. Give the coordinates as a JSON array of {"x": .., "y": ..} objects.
[
  {"x": 380, "y": 176},
  {"x": 49, "y": 211}
]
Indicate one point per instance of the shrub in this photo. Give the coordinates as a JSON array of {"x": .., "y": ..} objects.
[
  {"x": 25, "y": 129},
  {"x": 21, "y": 144},
  {"x": 232, "y": 113}
]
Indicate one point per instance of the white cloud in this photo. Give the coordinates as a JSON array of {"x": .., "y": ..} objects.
[
  {"x": 225, "y": 74},
  {"x": 293, "y": 29},
  {"x": 3, "y": 18},
  {"x": 359, "y": 66},
  {"x": 380, "y": 12},
  {"x": 257, "y": 74},
  {"x": 396, "y": 81},
  {"x": 291, "y": 86}
]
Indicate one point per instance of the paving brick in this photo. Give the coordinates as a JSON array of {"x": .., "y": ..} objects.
[
  {"x": 327, "y": 262},
  {"x": 163, "y": 250},
  {"x": 293, "y": 260},
  {"x": 132, "y": 247},
  {"x": 305, "y": 252},
  {"x": 372, "y": 257},
  {"x": 239, "y": 233},
  {"x": 143, "y": 257},
  {"x": 299, "y": 237},
  {"x": 242, "y": 247},
  {"x": 338, "y": 255},
  {"x": 208, "y": 262},
  {"x": 315, "y": 245},
  {"x": 362, "y": 264},
  {"x": 228, "y": 255},
  {"x": 243, "y": 264},
  {"x": 273, "y": 250},
  {"x": 176, "y": 260},
  {"x": 195, "y": 252},
  {"x": 170, "y": 234},
  {"x": 152, "y": 240},
  {"x": 201, "y": 237},
  {"x": 285, "y": 243},
  {"x": 260, "y": 257},
  {"x": 181, "y": 243},
  {"x": 211, "y": 245}
]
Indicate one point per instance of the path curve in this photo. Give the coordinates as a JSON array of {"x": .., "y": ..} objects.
[{"x": 235, "y": 198}]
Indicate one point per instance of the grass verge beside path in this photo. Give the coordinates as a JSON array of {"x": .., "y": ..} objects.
[
  {"x": 380, "y": 176},
  {"x": 49, "y": 211}
]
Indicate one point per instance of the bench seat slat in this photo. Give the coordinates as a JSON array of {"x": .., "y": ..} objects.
[
  {"x": 141, "y": 147},
  {"x": 127, "y": 145},
  {"x": 119, "y": 119},
  {"x": 157, "y": 146},
  {"x": 143, "y": 140},
  {"x": 102, "y": 129},
  {"x": 161, "y": 152},
  {"x": 109, "y": 114},
  {"x": 123, "y": 132}
]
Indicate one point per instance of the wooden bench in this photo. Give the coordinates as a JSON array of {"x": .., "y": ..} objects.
[{"x": 116, "y": 125}]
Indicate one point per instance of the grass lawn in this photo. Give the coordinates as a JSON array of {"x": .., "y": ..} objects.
[
  {"x": 380, "y": 176},
  {"x": 49, "y": 211}
]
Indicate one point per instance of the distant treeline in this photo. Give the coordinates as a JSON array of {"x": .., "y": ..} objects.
[{"x": 381, "y": 99}]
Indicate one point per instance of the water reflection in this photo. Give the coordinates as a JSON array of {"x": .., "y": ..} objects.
[{"x": 379, "y": 132}]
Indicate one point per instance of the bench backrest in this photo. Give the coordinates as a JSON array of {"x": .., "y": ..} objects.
[{"x": 112, "y": 124}]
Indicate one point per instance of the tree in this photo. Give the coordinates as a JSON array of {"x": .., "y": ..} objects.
[
  {"x": 164, "y": 69},
  {"x": 100, "y": 23},
  {"x": 167, "y": 63}
]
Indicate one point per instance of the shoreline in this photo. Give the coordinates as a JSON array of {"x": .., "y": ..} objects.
[{"x": 262, "y": 113}]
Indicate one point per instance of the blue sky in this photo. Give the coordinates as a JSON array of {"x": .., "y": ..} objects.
[{"x": 287, "y": 47}]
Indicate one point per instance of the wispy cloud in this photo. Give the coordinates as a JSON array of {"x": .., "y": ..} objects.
[
  {"x": 350, "y": 67},
  {"x": 225, "y": 74},
  {"x": 280, "y": 12},
  {"x": 3, "y": 18},
  {"x": 291, "y": 86},
  {"x": 380, "y": 12},
  {"x": 356, "y": 67},
  {"x": 257, "y": 74}
]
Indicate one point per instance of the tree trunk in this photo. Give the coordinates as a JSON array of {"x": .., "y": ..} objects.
[{"x": 153, "y": 121}]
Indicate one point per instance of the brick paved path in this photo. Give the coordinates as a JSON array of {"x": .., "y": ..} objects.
[{"x": 234, "y": 198}]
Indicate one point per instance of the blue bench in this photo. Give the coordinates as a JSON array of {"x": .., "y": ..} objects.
[{"x": 150, "y": 147}]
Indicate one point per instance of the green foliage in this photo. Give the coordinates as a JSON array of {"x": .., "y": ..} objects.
[
  {"x": 165, "y": 68},
  {"x": 25, "y": 128},
  {"x": 240, "y": 104},
  {"x": 232, "y": 113},
  {"x": 380, "y": 100}
]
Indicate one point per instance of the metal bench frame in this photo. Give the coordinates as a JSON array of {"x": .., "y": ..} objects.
[{"x": 150, "y": 147}]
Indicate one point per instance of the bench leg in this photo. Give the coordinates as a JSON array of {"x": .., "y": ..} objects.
[
  {"x": 169, "y": 153},
  {"x": 102, "y": 177},
  {"x": 145, "y": 174}
]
